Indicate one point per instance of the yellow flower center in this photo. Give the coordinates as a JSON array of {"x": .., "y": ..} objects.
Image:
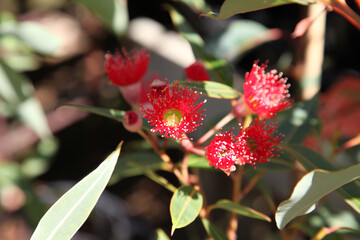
[{"x": 173, "y": 117}]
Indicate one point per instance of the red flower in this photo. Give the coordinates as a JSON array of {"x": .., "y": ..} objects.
[
  {"x": 266, "y": 94},
  {"x": 257, "y": 143},
  {"x": 222, "y": 152},
  {"x": 124, "y": 70},
  {"x": 197, "y": 72},
  {"x": 174, "y": 111}
]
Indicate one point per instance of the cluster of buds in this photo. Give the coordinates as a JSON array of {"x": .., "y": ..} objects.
[{"x": 173, "y": 112}]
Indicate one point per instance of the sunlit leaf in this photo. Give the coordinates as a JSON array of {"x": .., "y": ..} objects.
[
  {"x": 212, "y": 89},
  {"x": 232, "y": 7},
  {"x": 325, "y": 231},
  {"x": 213, "y": 231},
  {"x": 312, "y": 160},
  {"x": 161, "y": 235},
  {"x": 310, "y": 189},
  {"x": 185, "y": 206},
  {"x": 239, "y": 209},
  {"x": 67, "y": 215}
]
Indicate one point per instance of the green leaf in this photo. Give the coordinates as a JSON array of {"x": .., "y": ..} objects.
[
  {"x": 161, "y": 235},
  {"x": 196, "y": 161},
  {"x": 16, "y": 90},
  {"x": 14, "y": 87},
  {"x": 212, "y": 89},
  {"x": 67, "y": 215},
  {"x": 113, "y": 13},
  {"x": 32, "y": 114},
  {"x": 219, "y": 69},
  {"x": 238, "y": 37},
  {"x": 312, "y": 160},
  {"x": 239, "y": 209},
  {"x": 185, "y": 206},
  {"x": 213, "y": 231},
  {"x": 310, "y": 189},
  {"x": 17, "y": 54},
  {"x": 109, "y": 113},
  {"x": 231, "y": 7},
  {"x": 297, "y": 122},
  {"x": 128, "y": 165}
]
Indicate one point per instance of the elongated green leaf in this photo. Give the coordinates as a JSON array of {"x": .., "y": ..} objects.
[
  {"x": 113, "y": 13},
  {"x": 310, "y": 189},
  {"x": 14, "y": 87},
  {"x": 297, "y": 122},
  {"x": 185, "y": 206},
  {"x": 212, "y": 89},
  {"x": 32, "y": 114},
  {"x": 16, "y": 90},
  {"x": 161, "y": 235},
  {"x": 213, "y": 231},
  {"x": 329, "y": 230},
  {"x": 239, "y": 209},
  {"x": 312, "y": 160},
  {"x": 231, "y": 7},
  {"x": 67, "y": 215},
  {"x": 219, "y": 69},
  {"x": 109, "y": 113}
]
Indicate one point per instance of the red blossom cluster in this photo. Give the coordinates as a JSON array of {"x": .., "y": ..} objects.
[
  {"x": 254, "y": 144},
  {"x": 173, "y": 112}
]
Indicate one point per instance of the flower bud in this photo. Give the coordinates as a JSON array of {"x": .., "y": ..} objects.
[{"x": 132, "y": 121}]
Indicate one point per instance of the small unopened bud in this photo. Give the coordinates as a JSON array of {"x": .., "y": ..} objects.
[{"x": 132, "y": 121}]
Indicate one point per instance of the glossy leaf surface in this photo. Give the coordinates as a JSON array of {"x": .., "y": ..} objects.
[
  {"x": 185, "y": 206},
  {"x": 67, "y": 215},
  {"x": 310, "y": 189},
  {"x": 231, "y": 7},
  {"x": 312, "y": 160}
]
